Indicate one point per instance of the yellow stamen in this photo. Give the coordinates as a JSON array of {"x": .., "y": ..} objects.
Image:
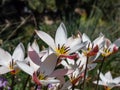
[
  {"x": 62, "y": 49},
  {"x": 12, "y": 69},
  {"x": 87, "y": 51},
  {"x": 41, "y": 76},
  {"x": 106, "y": 52},
  {"x": 11, "y": 66}
]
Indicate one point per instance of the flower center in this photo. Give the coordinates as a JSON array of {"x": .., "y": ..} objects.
[
  {"x": 41, "y": 76},
  {"x": 75, "y": 79},
  {"x": 62, "y": 49},
  {"x": 11, "y": 67},
  {"x": 87, "y": 51},
  {"x": 91, "y": 50},
  {"x": 107, "y": 88},
  {"x": 106, "y": 52}
]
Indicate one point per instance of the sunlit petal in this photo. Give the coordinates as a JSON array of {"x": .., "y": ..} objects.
[
  {"x": 70, "y": 61},
  {"x": 46, "y": 38},
  {"x": 61, "y": 35},
  {"x": 85, "y": 38},
  {"x": 65, "y": 64},
  {"x": 4, "y": 70},
  {"x": 44, "y": 56},
  {"x": 49, "y": 81},
  {"x": 99, "y": 40},
  {"x": 103, "y": 78},
  {"x": 78, "y": 47},
  {"x": 73, "y": 42},
  {"x": 108, "y": 75},
  {"x": 5, "y": 57},
  {"x": 18, "y": 53},
  {"x": 35, "y": 46},
  {"x": 26, "y": 68}
]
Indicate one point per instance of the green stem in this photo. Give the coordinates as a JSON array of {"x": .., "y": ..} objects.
[
  {"x": 13, "y": 82},
  {"x": 25, "y": 84},
  {"x": 85, "y": 73},
  {"x": 100, "y": 69}
]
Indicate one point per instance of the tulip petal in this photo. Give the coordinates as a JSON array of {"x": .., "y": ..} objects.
[
  {"x": 44, "y": 56},
  {"x": 72, "y": 42},
  {"x": 34, "y": 56},
  {"x": 18, "y": 53},
  {"x": 26, "y": 68},
  {"x": 32, "y": 64},
  {"x": 49, "y": 81},
  {"x": 5, "y": 57},
  {"x": 98, "y": 41},
  {"x": 46, "y": 38},
  {"x": 108, "y": 75},
  {"x": 35, "y": 46},
  {"x": 103, "y": 78},
  {"x": 61, "y": 72},
  {"x": 70, "y": 61},
  {"x": 77, "y": 47},
  {"x": 49, "y": 64},
  {"x": 107, "y": 42},
  {"x": 85, "y": 38},
  {"x": 65, "y": 64},
  {"x": 61, "y": 35},
  {"x": 116, "y": 80},
  {"x": 4, "y": 70},
  {"x": 117, "y": 42}
]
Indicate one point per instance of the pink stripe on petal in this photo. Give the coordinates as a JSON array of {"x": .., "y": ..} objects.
[
  {"x": 73, "y": 56},
  {"x": 35, "y": 79}
]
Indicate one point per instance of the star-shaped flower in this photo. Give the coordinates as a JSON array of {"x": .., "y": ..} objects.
[
  {"x": 92, "y": 48},
  {"x": 109, "y": 47},
  {"x": 8, "y": 62},
  {"x": 62, "y": 45},
  {"x": 108, "y": 81},
  {"x": 45, "y": 74}
]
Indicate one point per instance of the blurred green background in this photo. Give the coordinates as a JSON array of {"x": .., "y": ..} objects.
[{"x": 19, "y": 19}]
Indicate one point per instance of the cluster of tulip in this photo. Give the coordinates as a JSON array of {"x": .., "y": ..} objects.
[{"x": 64, "y": 64}]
